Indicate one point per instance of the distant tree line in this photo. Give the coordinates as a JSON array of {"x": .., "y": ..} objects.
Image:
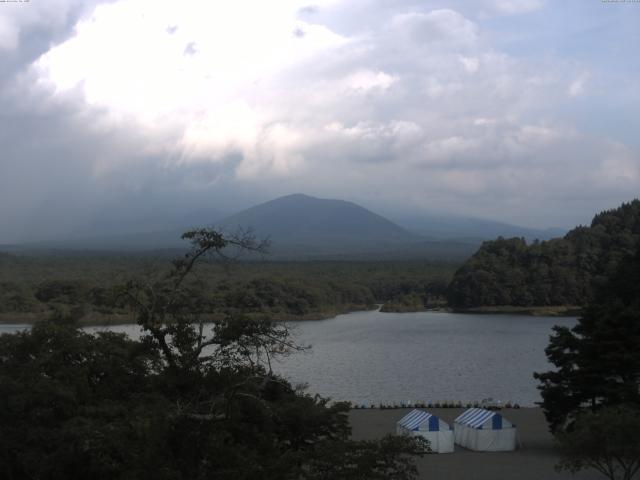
[
  {"x": 562, "y": 271},
  {"x": 279, "y": 290}
]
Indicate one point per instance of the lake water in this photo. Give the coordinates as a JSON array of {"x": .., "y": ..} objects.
[{"x": 373, "y": 357}]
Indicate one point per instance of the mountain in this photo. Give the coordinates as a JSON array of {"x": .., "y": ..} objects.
[
  {"x": 299, "y": 227},
  {"x": 319, "y": 225},
  {"x": 441, "y": 226}
]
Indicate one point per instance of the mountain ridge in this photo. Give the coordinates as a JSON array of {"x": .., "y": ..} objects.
[
  {"x": 303, "y": 226},
  {"x": 303, "y": 219}
]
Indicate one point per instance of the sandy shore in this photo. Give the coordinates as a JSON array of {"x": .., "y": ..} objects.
[{"x": 535, "y": 459}]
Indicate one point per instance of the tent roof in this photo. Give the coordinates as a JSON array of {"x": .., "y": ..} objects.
[
  {"x": 475, "y": 417},
  {"x": 414, "y": 419}
]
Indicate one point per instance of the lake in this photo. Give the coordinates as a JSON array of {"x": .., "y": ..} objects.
[{"x": 373, "y": 357}]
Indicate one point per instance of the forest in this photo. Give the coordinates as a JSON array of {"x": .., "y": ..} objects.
[
  {"x": 561, "y": 271},
  {"x": 502, "y": 273},
  {"x": 34, "y": 287}
]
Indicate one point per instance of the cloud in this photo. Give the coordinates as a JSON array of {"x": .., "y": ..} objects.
[
  {"x": 471, "y": 64},
  {"x": 8, "y": 34},
  {"x": 18, "y": 18},
  {"x": 394, "y": 104},
  {"x": 367, "y": 80},
  {"x": 443, "y": 27},
  {"x": 516, "y": 6},
  {"x": 619, "y": 166},
  {"x": 578, "y": 86}
]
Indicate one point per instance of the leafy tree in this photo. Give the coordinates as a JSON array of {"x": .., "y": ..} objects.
[
  {"x": 190, "y": 400},
  {"x": 60, "y": 291},
  {"x": 607, "y": 441},
  {"x": 561, "y": 271},
  {"x": 14, "y": 298},
  {"x": 74, "y": 405},
  {"x": 366, "y": 460},
  {"x": 597, "y": 361}
]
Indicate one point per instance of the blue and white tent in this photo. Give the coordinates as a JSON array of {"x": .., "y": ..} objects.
[
  {"x": 484, "y": 430},
  {"x": 431, "y": 428}
]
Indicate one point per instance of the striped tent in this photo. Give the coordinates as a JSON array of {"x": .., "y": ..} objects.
[
  {"x": 429, "y": 427},
  {"x": 484, "y": 430}
]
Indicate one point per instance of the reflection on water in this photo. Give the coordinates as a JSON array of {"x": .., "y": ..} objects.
[{"x": 373, "y": 357}]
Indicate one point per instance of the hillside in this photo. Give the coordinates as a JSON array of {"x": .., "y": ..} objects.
[
  {"x": 449, "y": 226},
  {"x": 320, "y": 225},
  {"x": 561, "y": 271},
  {"x": 300, "y": 227}
]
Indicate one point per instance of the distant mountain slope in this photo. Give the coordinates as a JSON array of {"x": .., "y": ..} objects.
[
  {"x": 116, "y": 232},
  {"x": 300, "y": 227},
  {"x": 562, "y": 271},
  {"x": 440, "y": 226},
  {"x": 329, "y": 225}
]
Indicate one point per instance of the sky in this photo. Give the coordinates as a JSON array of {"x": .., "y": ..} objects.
[{"x": 129, "y": 115}]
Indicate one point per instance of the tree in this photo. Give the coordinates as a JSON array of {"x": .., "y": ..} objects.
[
  {"x": 598, "y": 360},
  {"x": 561, "y": 271},
  {"x": 74, "y": 405},
  {"x": 607, "y": 440},
  {"x": 190, "y": 400}
]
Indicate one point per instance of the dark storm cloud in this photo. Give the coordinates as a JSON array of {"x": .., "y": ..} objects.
[
  {"x": 50, "y": 155},
  {"x": 37, "y": 28},
  {"x": 60, "y": 178},
  {"x": 413, "y": 105}
]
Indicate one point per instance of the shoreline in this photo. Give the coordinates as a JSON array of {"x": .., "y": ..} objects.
[
  {"x": 95, "y": 319},
  {"x": 534, "y": 311}
]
